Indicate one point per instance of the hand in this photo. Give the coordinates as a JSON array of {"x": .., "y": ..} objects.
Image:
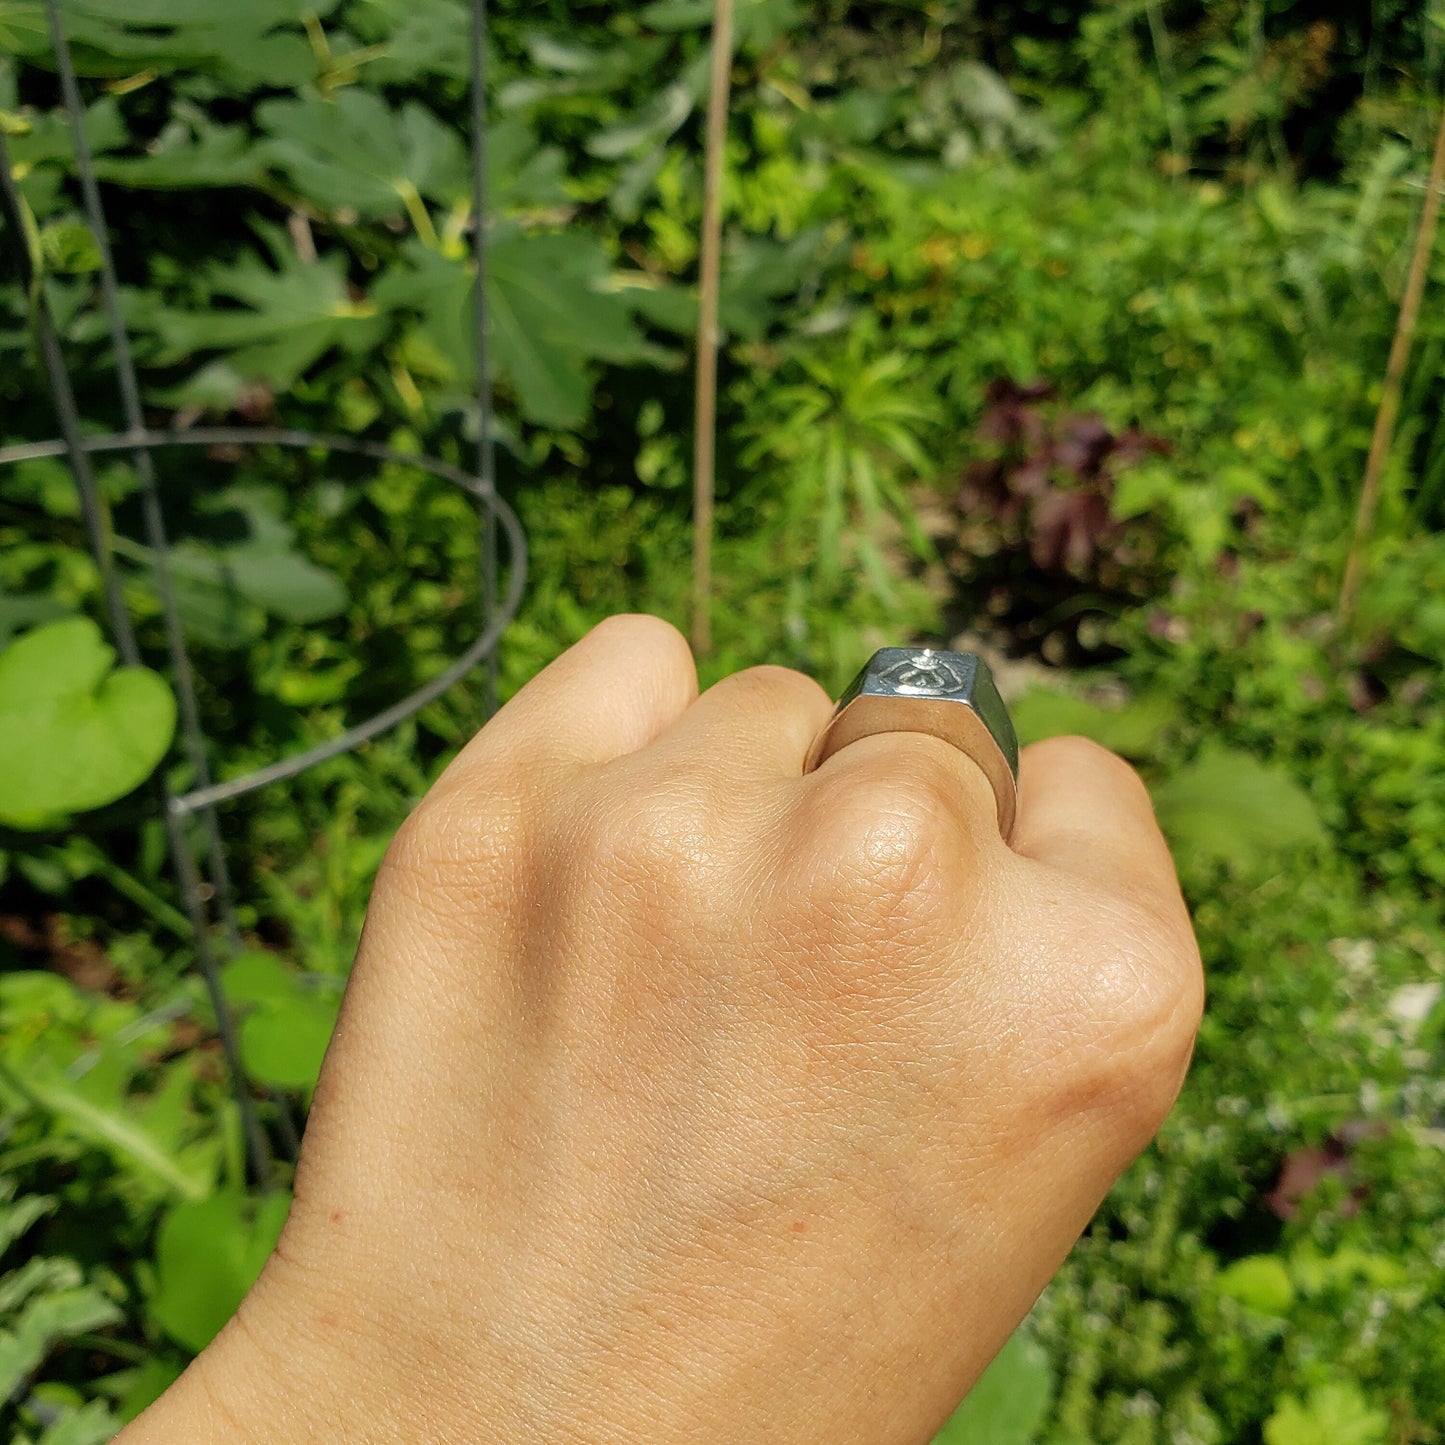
[{"x": 678, "y": 1096}]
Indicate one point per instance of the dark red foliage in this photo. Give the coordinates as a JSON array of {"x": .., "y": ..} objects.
[
  {"x": 1053, "y": 475},
  {"x": 1304, "y": 1168}
]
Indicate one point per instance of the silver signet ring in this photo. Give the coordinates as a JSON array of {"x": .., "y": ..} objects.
[{"x": 919, "y": 690}]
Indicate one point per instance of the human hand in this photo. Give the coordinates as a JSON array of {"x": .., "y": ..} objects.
[{"x": 680, "y": 1096}]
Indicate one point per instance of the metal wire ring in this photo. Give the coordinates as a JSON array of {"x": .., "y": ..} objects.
[{"x": 199, "y": 798}]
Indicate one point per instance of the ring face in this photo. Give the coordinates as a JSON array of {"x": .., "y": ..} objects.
[
  {"x": 928, "y": 673},
  {"x": 951, "y": 695}
]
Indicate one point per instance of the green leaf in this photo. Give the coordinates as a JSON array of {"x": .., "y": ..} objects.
[
  {"x": 1315, "y": 1272},
  {"x": 212, "y": 608},
  {"x": 550, "y": 317},
  {"x": 209, "y": 1252},
  {"x": 289, "y": 1022},
  {"x": 27, "y": 609},
  {"x": 74, "y": 1056},
  {"x": 221, "y": 590},
  {"x": 47, "y": 139},
  {"x": 284, "y": 321},
  {"x": 658, "y": 119},
  {"x": 1009, "y": 1402},
  {"x": 74, "y": 734},
  {"x": 1132, "y": 729},
  {"x": 17, "y": 1215},
  {"x": 256, "y": 43},
  {"x": 89, "y": 1424},
  {"x": 192, "y": 151},
  {"x": 285, "y": 1047},
  {"x": 1227, "y": 806},
  {"x": 1337, "y": 1412},
  {"x": 353, "y": 152},
  {"x": 758, "y": 273},
  {"x": 140, "y": 1388},
  {"x": 69, "y": 248},
  {"x": 759, "y": 23},
  {"x": 23, "y": 30},
  {"x": 59, "y": 1310},
  {"x": 286, "y": 584},
  {"x": 1260, "y": 1283},
  {"x": 413, "y": 38},
  {"x": 146, "y": 1135}
]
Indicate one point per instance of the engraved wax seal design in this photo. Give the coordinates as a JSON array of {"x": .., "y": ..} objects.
[{"x": 925, "y": 674}]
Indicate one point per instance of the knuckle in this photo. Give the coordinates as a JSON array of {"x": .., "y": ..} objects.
[
  {"x": 1079, "y": 754},
  {"x": 886, "y": 847},
  {"x": 767, "y": 682},
  {"x": 449, "y": 845},
  {"x": 653, "y": 635},
  {"x": 662, "y": 844},
  {"x": 1139, "y": 1002}
]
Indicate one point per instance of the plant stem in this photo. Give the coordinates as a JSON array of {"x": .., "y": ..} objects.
[
  {"x": 705, "y": 401},
  {"x": 105, "y": 1344},
  {"x": 1389, "y": 408},
  {"x": 1168, "y": 80},
  {"x": 132, "y": 888}
]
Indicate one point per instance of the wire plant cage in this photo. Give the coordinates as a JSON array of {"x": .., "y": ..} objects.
[{"x": 191, "y": 816}]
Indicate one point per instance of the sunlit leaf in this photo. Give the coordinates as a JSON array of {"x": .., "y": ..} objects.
[
  {"x": 69, "y": 248},
  {"x": 1230, "y": 807},
  {"x": 209, "y": 1252},
  {"x": 1131, "y": 729},
  {"x": 75, "y": 732},
  {"x": 81, "y": 1070},
  {"x": 287, "y": 1022},
  {"x": 550, "y": 316},
  {"x": 43, "y": 1303},
  {"x": 1260, "y": 1282},
  {"x": 1337, "y": 1412}
]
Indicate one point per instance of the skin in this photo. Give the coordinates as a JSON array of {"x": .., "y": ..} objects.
[{"x": 680, "y": 1096}]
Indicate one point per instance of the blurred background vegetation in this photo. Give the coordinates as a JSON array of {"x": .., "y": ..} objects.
[{"x": 1057, "y": 330}]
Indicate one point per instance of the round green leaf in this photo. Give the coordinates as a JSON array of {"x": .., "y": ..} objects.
[
  {"x": 287, "y": 1024},
  {"x": 1260, "y": 1283},
  {"x": 285, "y": 1047},
  {"x": 75, "y": 734}
]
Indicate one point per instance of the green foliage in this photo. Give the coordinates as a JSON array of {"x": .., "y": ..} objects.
[
  {"x": 1162, "y": 243},
  {"x": 1260, "y": 1282},
  {"x": 1336, "y": 1412},
  {"x": 287, "y": 1024},
  {"x": 75, "y": 732},
  {"x": 209, "y": 1252},
  {"x": 1228, "y": 805},
  {"x": 841, "y": 439},
  {"x": 43, "y": 1301},
  {"x": 1132, "y": 727},
  {"x": 78, "y": 1061}
]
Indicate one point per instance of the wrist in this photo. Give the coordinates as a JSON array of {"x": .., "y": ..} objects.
[{"x": 283, "y": 1370}]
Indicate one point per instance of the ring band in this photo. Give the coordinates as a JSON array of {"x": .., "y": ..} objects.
[{"x": 920, "y": 690}]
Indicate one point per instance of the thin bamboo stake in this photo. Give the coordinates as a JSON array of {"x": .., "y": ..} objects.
[
  {"x": 1389, "y": 409},
  {"x": 710, "y": 269}
]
